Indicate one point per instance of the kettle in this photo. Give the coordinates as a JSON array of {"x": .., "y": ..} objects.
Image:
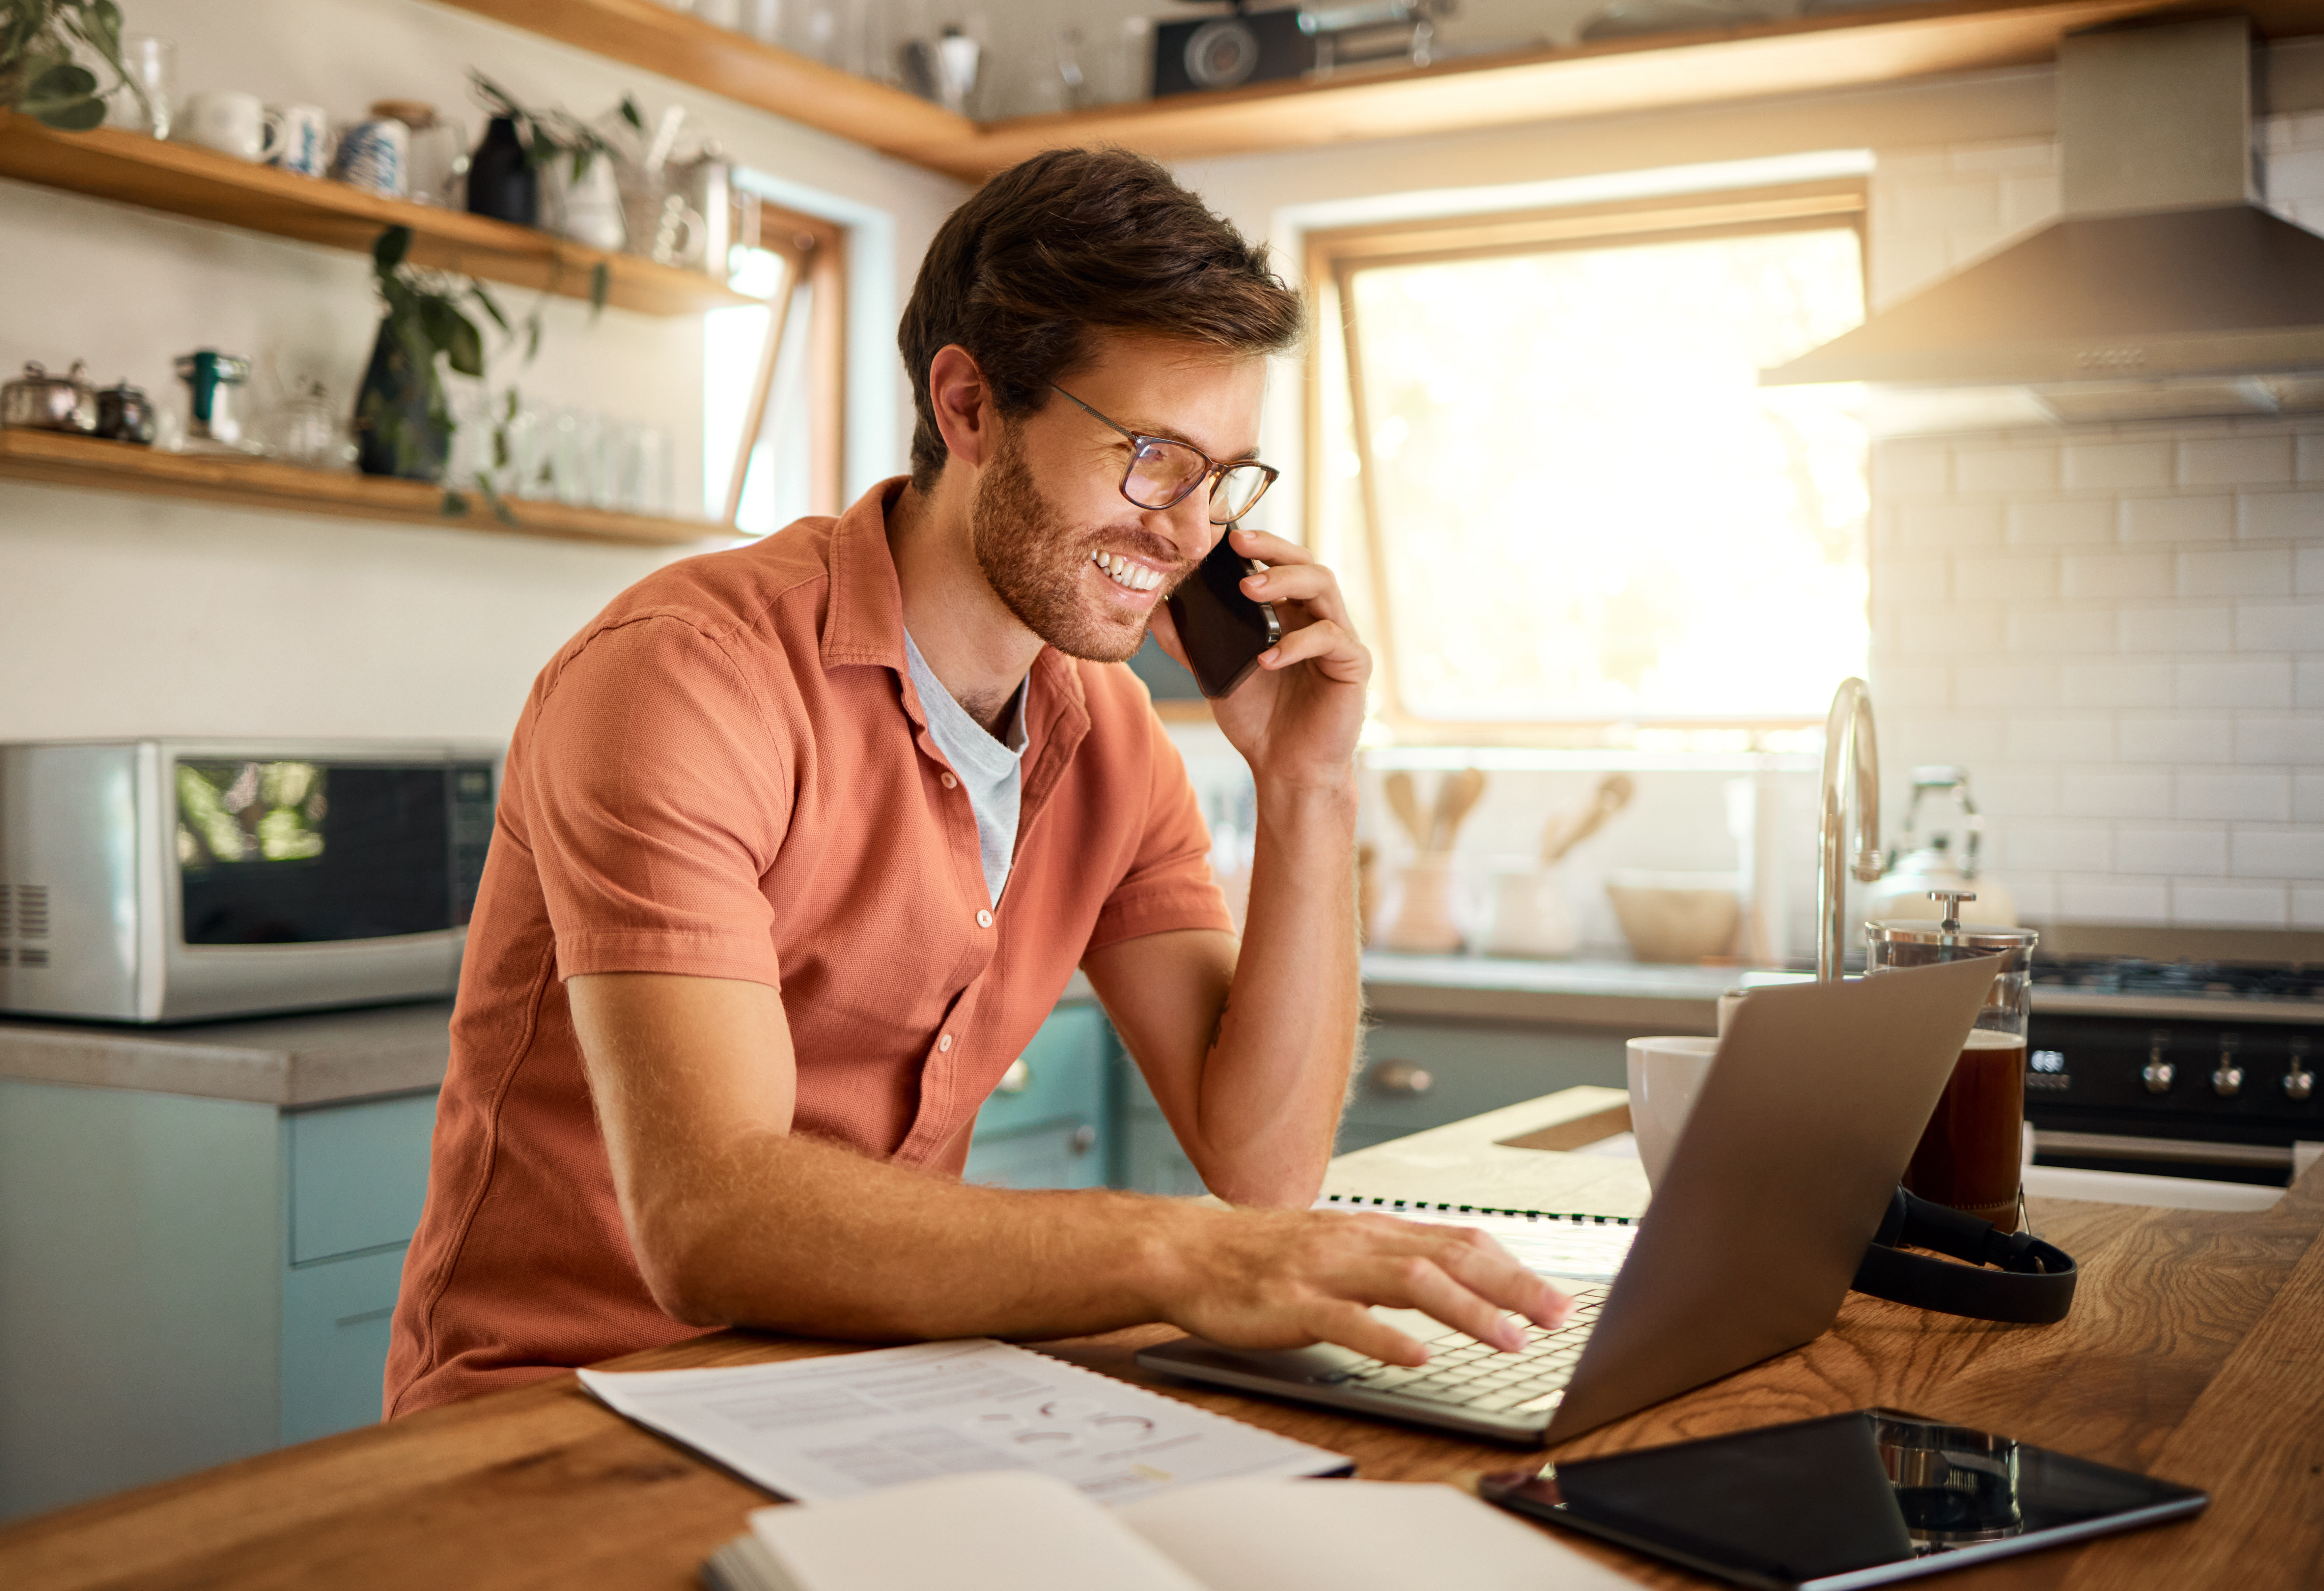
[{"x": 1919, "y": 866}]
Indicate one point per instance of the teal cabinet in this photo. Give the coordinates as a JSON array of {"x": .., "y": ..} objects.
[
  {"x": 185, "y": 1281},
  {"x": 1421, "y": 1075},
  {"x": 1047, "y": 1125}
]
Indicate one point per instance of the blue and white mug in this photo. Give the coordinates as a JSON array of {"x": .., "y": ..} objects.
[
  {"x": 375, "y": 155},
  {"x": 305, "y": 145}
]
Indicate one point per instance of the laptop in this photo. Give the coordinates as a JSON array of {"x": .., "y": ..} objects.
[{"x": 1812, "y": 1109}]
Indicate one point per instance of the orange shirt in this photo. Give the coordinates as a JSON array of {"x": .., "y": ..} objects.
[{"x": 728, "y": 773}]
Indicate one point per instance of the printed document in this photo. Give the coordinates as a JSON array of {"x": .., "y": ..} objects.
[{"x": 815, "y": 1429}]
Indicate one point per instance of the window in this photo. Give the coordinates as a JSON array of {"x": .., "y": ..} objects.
[
  {"x": 774, "y": 377},
  {"x": 1574, "y": 511}
]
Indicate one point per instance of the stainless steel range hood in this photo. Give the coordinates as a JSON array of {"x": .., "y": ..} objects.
[{"x": 2162, "y": 291}]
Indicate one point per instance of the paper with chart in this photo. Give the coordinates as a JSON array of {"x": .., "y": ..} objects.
[
  {"x": 814, "y": 1429},
  {"x": 1547, "y": 1246}
]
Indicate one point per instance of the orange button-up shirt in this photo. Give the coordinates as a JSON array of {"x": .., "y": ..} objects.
[{"x": 728, "y": 773}]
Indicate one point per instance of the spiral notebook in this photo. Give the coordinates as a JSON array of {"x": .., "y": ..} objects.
[{"x": 1575, "y": 1246}]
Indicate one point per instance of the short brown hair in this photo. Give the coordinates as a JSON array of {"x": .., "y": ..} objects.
[{"x": 1074, "y": 241}]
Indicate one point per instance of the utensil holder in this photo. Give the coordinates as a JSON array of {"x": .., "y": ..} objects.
[{"x": 1424, "y": 920}]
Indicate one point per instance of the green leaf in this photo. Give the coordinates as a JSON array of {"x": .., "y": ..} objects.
[
  {"x": 631, "y": 114},
  {"x": 601, "y": 285},
  {"x": 491, "y": 307},
  {"x": 69, "y": 116},
  {"x": 532, "y": 337},
  {"x": 391, "y": 247},
  {"x": 511, "y": 409},
  {"x": 500, "y": 452},
  {"x": 62, "y": 81},
  {"x": 465, "y": 346},
  {"x": 453, "y": 506}
]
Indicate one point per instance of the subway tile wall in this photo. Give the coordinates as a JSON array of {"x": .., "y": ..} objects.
[{"x": 2119, "y": 630}]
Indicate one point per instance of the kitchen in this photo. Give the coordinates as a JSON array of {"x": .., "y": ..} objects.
[{"x": 2112, "y": 625}]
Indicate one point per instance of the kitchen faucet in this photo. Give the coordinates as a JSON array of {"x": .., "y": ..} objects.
[{"x": 1847, "y": 739}]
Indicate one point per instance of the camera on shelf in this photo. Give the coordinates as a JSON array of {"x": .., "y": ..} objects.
[{"x": 1296, "y": 41}]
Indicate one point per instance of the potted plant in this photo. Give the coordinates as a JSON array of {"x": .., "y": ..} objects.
[
  {"x": 403, "y": 418},
  {"x": 569, "y": 163},
  {"x": 39, "y": 77}
]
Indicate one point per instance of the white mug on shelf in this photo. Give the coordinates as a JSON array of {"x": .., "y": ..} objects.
[
  {"x": 375, "y": 155},
  {"x": 1665, "y": 1074},
  {"x": 305, "y": 143},
  {"x": 230, "y": 122}
]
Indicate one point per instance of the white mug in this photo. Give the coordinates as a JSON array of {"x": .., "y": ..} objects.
[
  {"x": 1665, "y": 1075},
  {"x": 375, "y": 155},
  {"x": 230, "y": 122},
  {"x": 304, "y": 144}
]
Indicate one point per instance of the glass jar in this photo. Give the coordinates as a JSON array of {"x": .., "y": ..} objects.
[{"x": 1970, "y": 1154}]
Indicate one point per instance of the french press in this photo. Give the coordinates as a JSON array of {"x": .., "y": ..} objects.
[{"x": 1969, "y": 1153}]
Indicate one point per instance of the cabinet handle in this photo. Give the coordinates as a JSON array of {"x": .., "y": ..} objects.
[
  {"x": 1016, "y": 1079},
  {"x": 1402, "y": 1077},
  {"x": 1085, "y": 1140}
]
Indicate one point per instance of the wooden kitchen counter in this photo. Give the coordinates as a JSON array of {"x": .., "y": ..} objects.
[{"x": 2195, "y": 1350}]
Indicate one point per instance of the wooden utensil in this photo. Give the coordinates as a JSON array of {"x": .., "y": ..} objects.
[
  {"x": 1613, "y": 793},
  {"x": 1405, "y": 803},
  {"x": 1455, "y": 798}
]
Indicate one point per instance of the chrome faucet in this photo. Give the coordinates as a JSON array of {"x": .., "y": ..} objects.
[{"x": 1848, "y": 740}]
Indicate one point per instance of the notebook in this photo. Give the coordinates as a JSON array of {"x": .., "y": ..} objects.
[{"x": 1021, "y": 1531}]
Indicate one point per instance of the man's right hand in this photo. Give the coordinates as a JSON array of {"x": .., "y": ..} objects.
[{"x": 1290, "y": 1279}]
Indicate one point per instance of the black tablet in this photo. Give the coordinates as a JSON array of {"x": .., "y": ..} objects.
[{"x": 1856, "y": 1499}]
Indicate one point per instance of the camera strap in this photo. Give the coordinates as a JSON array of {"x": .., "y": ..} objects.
[{"x": 2011, "y": 1275}]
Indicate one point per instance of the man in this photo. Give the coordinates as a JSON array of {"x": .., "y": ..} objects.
[{"x": 798, "y": 843}]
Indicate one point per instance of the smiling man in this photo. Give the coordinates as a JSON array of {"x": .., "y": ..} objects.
[{"x": 798, "y": 843}]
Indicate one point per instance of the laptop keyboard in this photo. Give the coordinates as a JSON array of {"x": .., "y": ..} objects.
[{"x": 1464, "y": 1373}]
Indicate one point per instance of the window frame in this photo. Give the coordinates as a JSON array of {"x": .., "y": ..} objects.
[
  {"x": 1334, "y": 256},
  {"x": 814, "y": 256}
]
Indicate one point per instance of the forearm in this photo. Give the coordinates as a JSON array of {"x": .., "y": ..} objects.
[
  {"x": 1274, "y": 1082},
  {"x": 798, "y": 1235}
]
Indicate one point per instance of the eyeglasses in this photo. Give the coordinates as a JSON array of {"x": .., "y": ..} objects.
[{"x": 1163, "y": 473}]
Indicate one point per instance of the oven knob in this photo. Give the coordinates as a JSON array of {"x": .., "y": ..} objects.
[
  {"x": 2227, "y": 1078},
  {"x": 2299, "y": 1083},
  {"x": 2158, "y": 1072}
]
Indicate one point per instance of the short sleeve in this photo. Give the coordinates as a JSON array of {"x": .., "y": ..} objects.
[
  {"x": 1170, "y": 884},
  {"x": 659, "y": 792}
]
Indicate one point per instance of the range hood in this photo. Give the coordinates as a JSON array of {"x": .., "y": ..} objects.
[{"x": 2162, "y": 291}]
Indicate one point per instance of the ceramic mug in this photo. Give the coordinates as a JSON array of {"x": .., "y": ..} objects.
[
  {"x": 1665, "y": 1075},
  {"x": 230, "y": 122},
  {"x": 305, "y": 145},
  {"x": 375, "y": 155}
]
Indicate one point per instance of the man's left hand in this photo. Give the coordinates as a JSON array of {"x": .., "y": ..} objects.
[{"x": 1299, "y": 715}]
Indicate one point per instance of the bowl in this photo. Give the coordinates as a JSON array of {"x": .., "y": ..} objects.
[{"x": 1678, "y": 917}]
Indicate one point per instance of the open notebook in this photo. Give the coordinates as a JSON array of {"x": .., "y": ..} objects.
[{"x": 1021, "y": 1531}]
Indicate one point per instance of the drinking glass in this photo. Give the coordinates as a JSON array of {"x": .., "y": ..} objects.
[
  {"x": 1968, "y": 1156},
  {"x": 150, "y": 61}
]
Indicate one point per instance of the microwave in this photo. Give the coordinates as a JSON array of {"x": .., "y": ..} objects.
[{"x": 160, "y": 880}]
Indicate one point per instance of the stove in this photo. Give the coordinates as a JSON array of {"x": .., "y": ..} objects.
[{"x": 2184, "y": 1067}]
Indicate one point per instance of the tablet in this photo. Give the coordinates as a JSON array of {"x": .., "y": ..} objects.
[{"x": 1857, "y": 1499}]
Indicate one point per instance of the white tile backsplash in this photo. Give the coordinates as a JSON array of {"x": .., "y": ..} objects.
[
  {"x": 2246, "y": 572},
  {"x": 2176, "y": 629},
  {"x": 2096, "y": 575},
  {"x": 2279, "y": 853},
  {"x": 2235, "y": 461},
  {"x": 2108, "y": 466},
  {"x": 2070, "y": 522},
  {"x": 2257, "y": 682},
  {"x": 2177, "y": 740},
  {"x": 2210, "y": 517},
  {"x": 2279, "y": 516},
  {"x": 2229, "y": 905},
  {"x": 2188, "y": 848}
]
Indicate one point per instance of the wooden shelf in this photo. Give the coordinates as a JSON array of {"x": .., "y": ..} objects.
[
  {"x": 58, "y": 460},
  {"x": 1791, "y": 56},
  {"x": 187, "y": 179}
]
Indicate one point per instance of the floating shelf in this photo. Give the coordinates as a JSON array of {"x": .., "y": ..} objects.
[
  {"x": 1792, "y": 55},
  {"x": 55, "y": 459},
  {"x": 187, "y": 179}
]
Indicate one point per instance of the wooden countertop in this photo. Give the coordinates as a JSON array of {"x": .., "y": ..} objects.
[{"x": 2195, "y": 1350}]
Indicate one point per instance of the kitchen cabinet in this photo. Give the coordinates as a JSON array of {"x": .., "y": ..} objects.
[
  {"x": 1048, "y": 1123},
  {"x": 185, "y": 1280}
]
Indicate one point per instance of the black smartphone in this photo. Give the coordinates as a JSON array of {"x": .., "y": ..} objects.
[{"x": 1222, "y": 630}]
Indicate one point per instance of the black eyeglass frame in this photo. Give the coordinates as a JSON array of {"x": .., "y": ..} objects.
[{"x": 1213, "y": 473}]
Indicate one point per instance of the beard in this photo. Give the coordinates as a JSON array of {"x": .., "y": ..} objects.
[{"x": 1034, "y": 561}]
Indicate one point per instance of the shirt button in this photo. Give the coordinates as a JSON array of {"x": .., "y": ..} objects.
[
  {"x": 984, "y": 919},
  {"x": 944, "y": 1043},
  {"x": 948, "y": 781}
]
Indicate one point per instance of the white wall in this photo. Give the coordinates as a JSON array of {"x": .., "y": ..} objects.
[
  {"x": 131, "y": 615},
  {"x": 2119, "y": 629}
]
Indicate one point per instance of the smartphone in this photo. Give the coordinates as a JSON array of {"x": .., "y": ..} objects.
[{"x": 1222, "y": 630}]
